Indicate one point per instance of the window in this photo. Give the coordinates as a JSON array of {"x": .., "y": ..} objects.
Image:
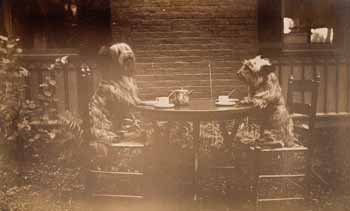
[
  {"x": 46, "y": 24},
  {"x": 300, "y": 25},
  {"x": 58, "y": 24},
  {"x": 309, "y": 23}
]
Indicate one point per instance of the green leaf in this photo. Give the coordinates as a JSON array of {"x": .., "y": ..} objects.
[
  {"x": 52, "y": 82},
  {"x": 52, "y": 135},
  {"x": 44, "y": 85},
  {"x": 3, "y": 50},
  {"x": 10, "y": 45},
  {"x": 5, "y": 61},
  {"x": 47, "y": 93},
  {"x": 3, "y": 38}
]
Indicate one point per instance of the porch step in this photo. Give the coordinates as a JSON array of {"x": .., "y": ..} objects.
[
  {"x": 117, "y": 196},
  {"x": 285, "y": 149},
  {"x": 223, "y": 167},
  {"x": 116, "y": 173},
  {"x": 282, "y": 199},
  {"x": 127, "y": 144},
  {"x": 281, "y": 176}
]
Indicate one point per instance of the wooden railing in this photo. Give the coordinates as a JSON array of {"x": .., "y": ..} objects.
[
  {"x": 334, "y": 93},
  {"x": 73, "y": 90},
  {"x": 73, "y": 87}
]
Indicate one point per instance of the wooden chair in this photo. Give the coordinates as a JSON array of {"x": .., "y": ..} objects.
[
  {"x": 129, "y": 184},
  {"x": 282, "y": 174}
]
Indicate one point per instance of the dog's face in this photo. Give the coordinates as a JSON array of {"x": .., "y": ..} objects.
[
  {"x": 252, "y": 71},
  {"x": 121, "y": 56}
]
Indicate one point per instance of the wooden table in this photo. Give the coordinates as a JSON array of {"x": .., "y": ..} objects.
[{"x": 198, "y": 110}]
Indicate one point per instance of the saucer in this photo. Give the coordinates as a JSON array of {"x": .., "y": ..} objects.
[
  {"x": 225, "y": 103},
  {"x": 228, "y": 100},
  {"x": 149, "y": 102},
  {"x": 157, "y": 105}
]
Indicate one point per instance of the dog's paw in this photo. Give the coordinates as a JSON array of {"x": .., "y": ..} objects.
[
  {"x": 259, "y": 103},
  {"x": 246, "y": 101}
]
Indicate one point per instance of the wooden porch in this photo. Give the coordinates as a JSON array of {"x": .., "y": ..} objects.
[{"x": 74, "y": 86}]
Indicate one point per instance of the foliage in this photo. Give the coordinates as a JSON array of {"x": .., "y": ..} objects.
[
  {"x": 43, "y": 147},
  {"x": 26, "y": 125},
  {"x": 50, "y": 150},
  {"x": 12, "y": 90}
]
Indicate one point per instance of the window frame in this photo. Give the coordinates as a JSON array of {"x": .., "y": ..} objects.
[
  {"x": 278, "y": 46},
  {"x": 307, "y": 47},
  {"x": 6, "y": 11}
]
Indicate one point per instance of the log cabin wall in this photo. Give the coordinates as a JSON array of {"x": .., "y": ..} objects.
[{"x": 175, "y": 41}]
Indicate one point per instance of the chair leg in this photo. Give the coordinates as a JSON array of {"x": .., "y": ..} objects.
[
  {"x": 106, "y": 170},
  {"x": 308, "y": 178},
  {"x": 256, "y": 171},
  {"x": 90, "y": 183}
]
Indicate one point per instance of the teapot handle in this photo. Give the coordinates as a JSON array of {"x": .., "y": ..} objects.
[
  {"x": 171, "y": 94},
  {"x": 190, "y": 92}
]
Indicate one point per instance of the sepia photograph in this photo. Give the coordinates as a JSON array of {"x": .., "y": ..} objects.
[{"x": 174, "y": 105}]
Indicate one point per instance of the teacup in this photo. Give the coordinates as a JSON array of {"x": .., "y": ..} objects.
[
  {"x": 223, "y": 98},
  {"x": 162, "y": 100}
]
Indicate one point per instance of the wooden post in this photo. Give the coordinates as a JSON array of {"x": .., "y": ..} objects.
[{"x": 7, "y": 12}]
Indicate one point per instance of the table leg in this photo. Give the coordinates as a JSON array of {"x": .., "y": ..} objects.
[
  {"x": 196, "y": 135},
  {"x": 230, "y": 136}
]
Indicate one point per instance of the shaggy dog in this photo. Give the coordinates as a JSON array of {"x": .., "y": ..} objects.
[
  {"x": 110, "y": 108},
  {"x": 266, "y": 94}
]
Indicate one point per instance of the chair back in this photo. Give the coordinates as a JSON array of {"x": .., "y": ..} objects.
[{"x": 304, "y": 87}]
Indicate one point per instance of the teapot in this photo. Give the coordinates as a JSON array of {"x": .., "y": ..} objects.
[{"x": 180, "y": 96}]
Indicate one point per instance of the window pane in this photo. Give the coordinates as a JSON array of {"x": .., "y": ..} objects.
[
  {"x": 321, "y": 35},
  {"x": 43, "y": 24},
  {"x": 309, "y": 21}
]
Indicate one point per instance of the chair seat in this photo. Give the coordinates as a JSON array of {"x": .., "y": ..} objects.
[
  {"x": 96, "y": 195},
  {"x": 280, "y": 176},
  {"x": 127, "y": 144},
  {"x": 116, "y": 173},
  {"x": 121, "y": 177},
  {"x": 281, "y": 199},
  {"x": 284, "y": 149},
  {"x": 281, "y": 149},
  {"x": 296, "y": 116}
]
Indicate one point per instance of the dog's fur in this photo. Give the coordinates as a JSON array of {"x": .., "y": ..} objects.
[
  {"x": 266, "y": 93},
  {"x": 116, "y": 94},
  {"x": 122, "y": 57}
]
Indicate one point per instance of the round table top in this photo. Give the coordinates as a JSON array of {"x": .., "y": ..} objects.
[{"x": 198, "y": 109}]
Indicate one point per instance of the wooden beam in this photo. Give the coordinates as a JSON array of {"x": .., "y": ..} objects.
[
  {"x": 7, "y": 15},
  {"x": 329, "y": 120}
]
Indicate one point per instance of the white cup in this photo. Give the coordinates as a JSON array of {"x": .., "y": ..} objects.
[
  {"x": 223, "y": 98},
  {"x": 162, "y": 100}
]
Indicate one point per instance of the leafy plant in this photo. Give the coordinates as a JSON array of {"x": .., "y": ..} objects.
[
  {"x": 47, "y": 144},
  {"x": 12, "y": 94}
]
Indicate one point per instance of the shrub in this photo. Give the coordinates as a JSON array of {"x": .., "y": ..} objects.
[{"x": 43, "y": 149}]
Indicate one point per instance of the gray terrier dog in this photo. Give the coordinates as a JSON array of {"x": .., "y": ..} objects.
[{"x": 266, "y": 94}]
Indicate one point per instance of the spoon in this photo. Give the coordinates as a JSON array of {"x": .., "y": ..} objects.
[{"x": 233, "y": 91}]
